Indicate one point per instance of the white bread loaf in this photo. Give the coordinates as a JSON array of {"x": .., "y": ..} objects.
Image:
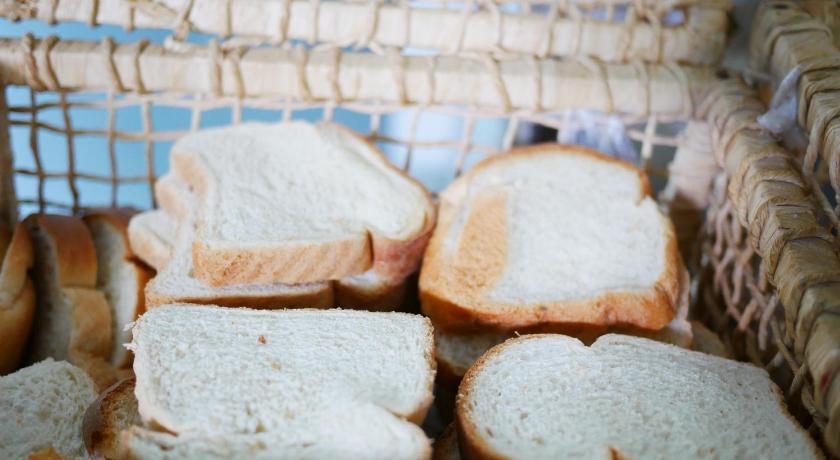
[
  {"x": 17, "y": 296},
  {"x": 119, "y": 276},
  {"x": 550, "y": 238},
  {"x": 551, "y": 396},
  {"x": 72, "y": 318},
  {"x": 322, "y": 204},
  {"x": 41, "y": 407},
  {"x": 353, "y": 431},
  {"x": 316, "y": 359}
]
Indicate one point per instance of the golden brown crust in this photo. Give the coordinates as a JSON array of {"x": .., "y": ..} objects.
[
  {"x": 47, "y": 453},
  {"x": 455, "y": 302},
  {"x": 17, "y": 259},
  {"x": 301, "y": 263},
  {"x": 15, "y": 324},
  {"x": 118, "y": 219},
  {"x": 102, "y": 425},
  {"x": 322, "y": 298},
  {"x": 91, "y": 336},
  {"x": 76, "y": 255}
]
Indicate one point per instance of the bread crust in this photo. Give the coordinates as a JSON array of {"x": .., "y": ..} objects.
[
  {"x": 118, "y": 219},
  {"x": 76, "y": 255},
  {"x": 90, "y": 339},
  {"x": 447, "y": 442},
  {"x": 651, "y": 309},
  {"x": 100, "y": 426},
  {"x": 17, "y": 259},
  {"x": 15, "y": 324},
  {"x": 323, "y": 298},
  {"x": 393, "y": 259},
  {"x": 386, "y": 297}
]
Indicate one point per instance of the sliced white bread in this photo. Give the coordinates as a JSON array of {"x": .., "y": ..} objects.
[
  {"x": 316, "y": 359},
  {"x": 352, "y": 431},
  {"x": 151, "y": 235},
  {"x": 17, "y": 296},
  {"x": 72, "y": 319},
  {"x": 175, "y": 283},
  {"x": 456, "y": 353},
  {"x": 41, "y": 407},
  {"x": 550, "y": 238},
  {"x": 551, "y": 396},
  {"x": 119, "y": 275},
  {"x": 295, "y": 202},
  {"x": 446, "y": 446},
  {"x": 369, "y": 291},
  {"x": 112, "y": 412}
]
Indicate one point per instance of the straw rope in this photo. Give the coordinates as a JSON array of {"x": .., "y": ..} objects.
[
  {"x": 772, "y": 216},
  {"x": 326, "y": 75},
  {"x": 786, "y": 39},
  {"x": 570, "y": 29}
]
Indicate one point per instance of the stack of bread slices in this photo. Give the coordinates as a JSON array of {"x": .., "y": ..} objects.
[
  {"x": 550, "y": 239},
  {"x": 282, "y": 216}
]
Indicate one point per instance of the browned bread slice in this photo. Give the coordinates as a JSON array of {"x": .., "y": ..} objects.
[
  {"x": 120, "y": 276},
  {"x": 17, "y": 297},
  {"x": 550, "y": 238},
  {"x": 113, "y": 411},
  {"x": 72, "y": 318},
  {"x": 322, "y": 204}
]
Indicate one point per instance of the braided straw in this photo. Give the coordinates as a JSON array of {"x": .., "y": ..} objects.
[
  {"x": 771, "y": 213},
  {"x": 475, "y": 26}
]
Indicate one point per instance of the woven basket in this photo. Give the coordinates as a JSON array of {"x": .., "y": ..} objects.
[
  {"x": 645, "y": 61},
  {"x": 771, "y": 272}
]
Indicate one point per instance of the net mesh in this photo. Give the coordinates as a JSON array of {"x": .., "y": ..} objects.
[{"x": 79, "y": 150}]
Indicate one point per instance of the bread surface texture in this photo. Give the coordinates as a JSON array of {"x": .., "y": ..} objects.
[
  {"x": 546, "y": 237},
  {"x": 119, "y": 276},
  {"x": 352, "y": 431},
  {"x": 316, "y": 359},
  {"x": 41, "y": 407},
  {"x": 550, "y": 396},
  {"x": 112, "y": 412},
  {"x": 322, "y": 204}
]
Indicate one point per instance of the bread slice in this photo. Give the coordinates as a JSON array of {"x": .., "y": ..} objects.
[
  {"x": 550, "y": 238},
  {"x": 112, "y": 412},
  {"x": 456, "y": 353},
  {"x": 72, "y": 319},
  {"x": 119, "y": 276},
  {"x": 151, "y": 235},
  {"x": 322, "y": 204},
  {"x": 446, "y": 446},
  {"x": 316, "y": 359},
  {"x": 41, "y": 407},
  {"x": 355, "y": 430},
  {"x": 17, "y": 297},
  {"x": 622, "y": 397},
  {"x": 369, "y": 291}
]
